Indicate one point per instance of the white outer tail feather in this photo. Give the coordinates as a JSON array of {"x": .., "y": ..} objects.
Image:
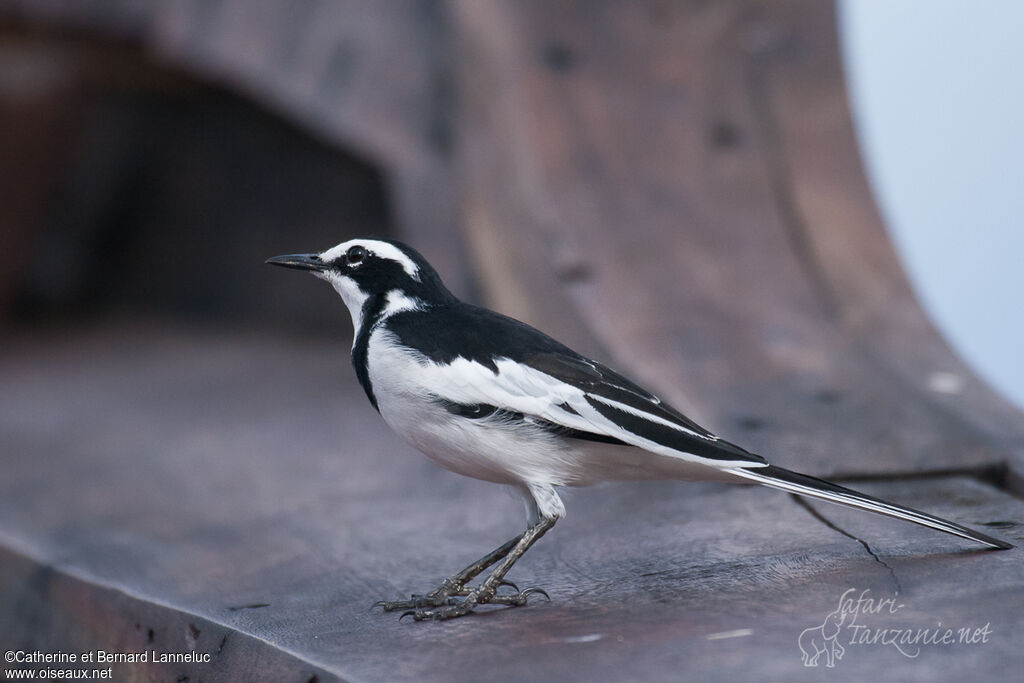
[{"x": 804, "y": 485}]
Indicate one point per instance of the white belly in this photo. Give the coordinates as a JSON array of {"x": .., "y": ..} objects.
[
  {"x": 494, "y": 448},
  {"x": 489, "y": 448}
]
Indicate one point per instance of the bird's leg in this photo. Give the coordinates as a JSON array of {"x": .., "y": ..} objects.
[
  {"x": 454, "y": 585},
  {"x": 486, "y": 592}
]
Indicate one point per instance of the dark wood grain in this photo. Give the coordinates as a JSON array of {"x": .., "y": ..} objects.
[{"x": 671, "y": 187}]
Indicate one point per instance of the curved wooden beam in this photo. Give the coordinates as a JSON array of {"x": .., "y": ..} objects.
[{"x": 684, "y": 180}]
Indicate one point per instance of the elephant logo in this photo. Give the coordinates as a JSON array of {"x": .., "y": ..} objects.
[{"x": 823, "y": 640}]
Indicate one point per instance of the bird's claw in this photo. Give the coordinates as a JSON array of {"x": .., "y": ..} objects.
[
  {"x": 519, "y": 598},
  {"x": 391, "y": 606},
  {"x": 538, "y": 590}
]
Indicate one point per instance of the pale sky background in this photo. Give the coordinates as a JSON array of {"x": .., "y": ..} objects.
[{"x": 938, "y": 97}]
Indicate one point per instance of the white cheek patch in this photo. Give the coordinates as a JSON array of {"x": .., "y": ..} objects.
[
  {"x": 397, "y": 302},
  {"x": 381, "y": 249}
]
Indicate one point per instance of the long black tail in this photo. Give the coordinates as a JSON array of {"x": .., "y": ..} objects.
[{"x": 805, "y": 485}]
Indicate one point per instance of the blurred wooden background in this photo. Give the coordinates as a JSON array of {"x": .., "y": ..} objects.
[{"x": 672, "y": 187}]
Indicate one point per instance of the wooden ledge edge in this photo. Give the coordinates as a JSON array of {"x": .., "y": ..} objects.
[{"x": 49, "y": 609}]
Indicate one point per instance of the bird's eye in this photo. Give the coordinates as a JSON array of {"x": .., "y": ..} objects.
[{"x": 355, "y": 255}]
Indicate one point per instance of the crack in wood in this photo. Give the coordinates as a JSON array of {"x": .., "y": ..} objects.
[{"x": 832, "y": 525}]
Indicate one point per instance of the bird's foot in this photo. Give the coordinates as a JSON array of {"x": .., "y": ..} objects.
[
  {"x": 414, "y": 602},
  {"x": 445, "y": 602},
  {"x": 477, "y": 596},
  {"x": 444, "y": 595},
  {"x": 450, "y": 588}
]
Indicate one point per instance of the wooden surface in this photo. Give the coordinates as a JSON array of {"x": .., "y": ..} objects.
[
  {"x": 244, "y": 481},
  {"x": 673, "y": 188}
]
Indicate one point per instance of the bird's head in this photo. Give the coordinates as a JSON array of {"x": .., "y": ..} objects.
[{"x": 382, "y": 276}]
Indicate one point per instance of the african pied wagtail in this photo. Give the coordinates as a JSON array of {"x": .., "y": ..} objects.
[{"x": 492, "y": 398}]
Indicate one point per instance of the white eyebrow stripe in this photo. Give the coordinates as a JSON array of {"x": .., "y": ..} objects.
[{"x": 382, "y": 249}]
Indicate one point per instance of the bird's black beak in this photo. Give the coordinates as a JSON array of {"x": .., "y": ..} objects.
[{"x": 298, "y": 261}]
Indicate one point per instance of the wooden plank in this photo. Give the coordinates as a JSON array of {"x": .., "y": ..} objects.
[
  {"x": 245, "y": 482},
  {"x": 53, "y": 610}
]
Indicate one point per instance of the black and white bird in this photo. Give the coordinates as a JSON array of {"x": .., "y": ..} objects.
[{"x": 490, "y": 397}]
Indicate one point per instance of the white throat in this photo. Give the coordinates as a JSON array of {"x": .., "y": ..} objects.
[
  {"x": 351, "y": 294},
  {"x": 355, "y": 298}
]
